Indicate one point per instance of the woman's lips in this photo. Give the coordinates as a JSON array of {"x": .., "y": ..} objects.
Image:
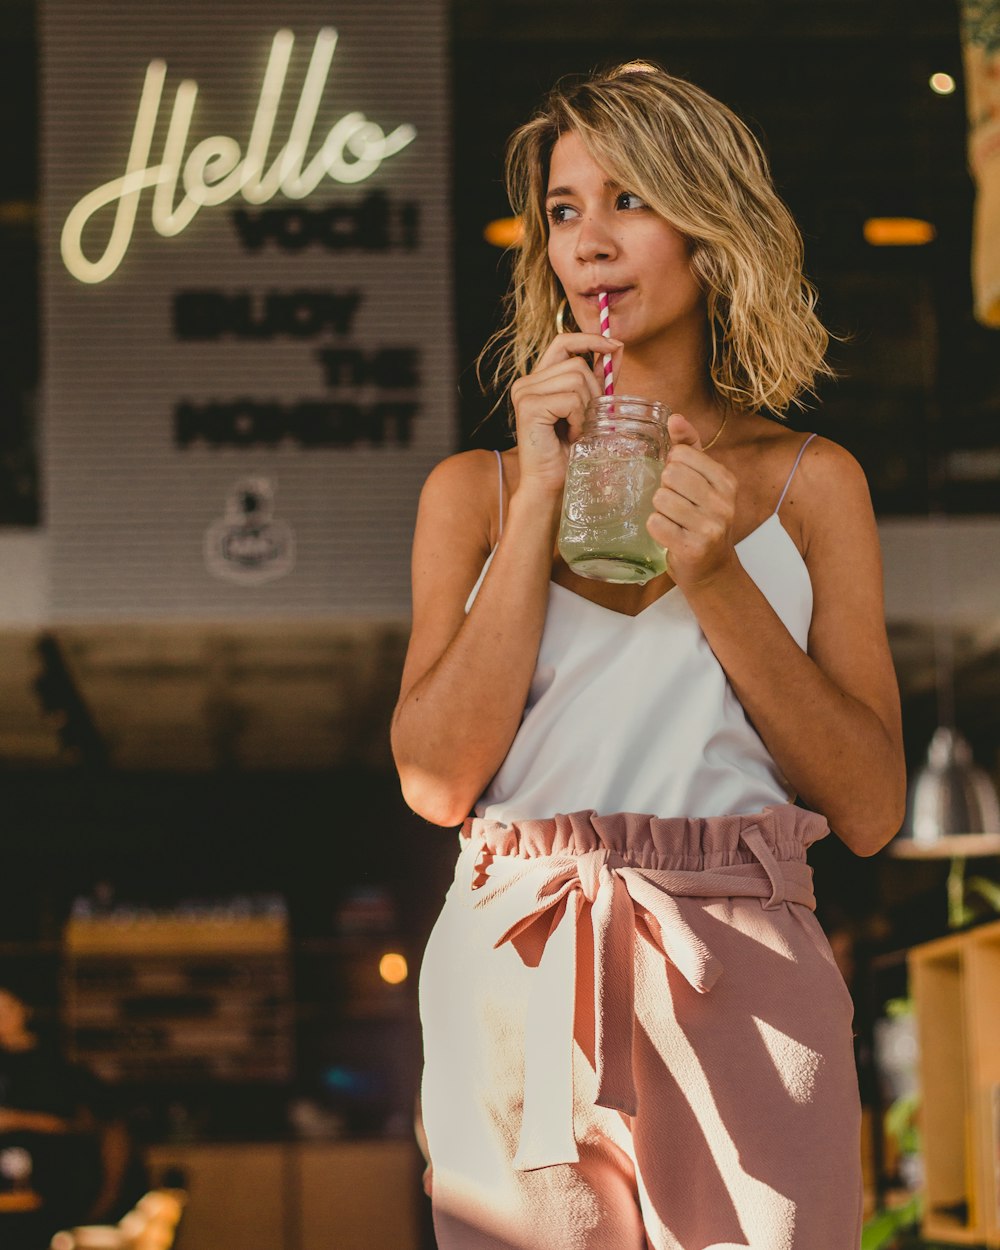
[{"x": 615, "y": 296}]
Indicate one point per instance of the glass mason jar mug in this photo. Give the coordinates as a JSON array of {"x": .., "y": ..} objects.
[{"x": 613, "y": 472}]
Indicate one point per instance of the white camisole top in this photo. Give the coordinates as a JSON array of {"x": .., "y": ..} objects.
[{"x": 635, "y": 714}]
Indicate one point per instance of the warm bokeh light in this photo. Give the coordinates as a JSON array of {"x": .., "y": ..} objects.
[
  {"x": 17, "y": 213},
  {"x": 898, "y": 231},
  {"x": 504, "y": 232},
  {"x": 392, "y": 968},
  {"x": 942, "y": 83}
]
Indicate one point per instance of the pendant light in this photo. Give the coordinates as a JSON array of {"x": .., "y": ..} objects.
[{"x": 952, "y": 806}]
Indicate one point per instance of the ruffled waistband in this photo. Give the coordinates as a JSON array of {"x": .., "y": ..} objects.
[{"x": 682, "y": 843}]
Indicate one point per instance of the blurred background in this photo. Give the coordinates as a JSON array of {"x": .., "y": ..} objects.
[{"x": 223, "y": 378}]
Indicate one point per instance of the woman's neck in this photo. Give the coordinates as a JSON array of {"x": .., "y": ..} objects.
[{"x": 684, "y": 387}]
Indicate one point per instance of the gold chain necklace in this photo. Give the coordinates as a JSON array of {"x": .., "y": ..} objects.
[{"x": 718, "y": 433}]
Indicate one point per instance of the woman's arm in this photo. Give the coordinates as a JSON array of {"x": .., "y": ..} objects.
[
  {"x": 829, "y": 718},
  {"x": 466, "y": 679}
]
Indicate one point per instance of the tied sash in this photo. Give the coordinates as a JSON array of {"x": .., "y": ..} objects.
[{"x": 538, "y": 903}]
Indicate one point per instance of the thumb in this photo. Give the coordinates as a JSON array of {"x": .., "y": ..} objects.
[{"x": 680, "y": 430}]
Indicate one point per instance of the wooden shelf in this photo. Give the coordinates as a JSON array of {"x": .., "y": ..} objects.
[
  {"x": 142, "y": 936},
  {"x": 182, "y": 999},
  {"x": 955, "y": 983}
]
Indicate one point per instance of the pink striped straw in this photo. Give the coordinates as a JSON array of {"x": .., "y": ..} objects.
[{"x": 609, "y": 377}]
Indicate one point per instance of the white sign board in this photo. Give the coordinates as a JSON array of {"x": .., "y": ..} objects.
[{"x": 247, "y": 308}]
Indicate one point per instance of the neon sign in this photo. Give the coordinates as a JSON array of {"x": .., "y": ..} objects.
[{"x": 216, "y": 169}]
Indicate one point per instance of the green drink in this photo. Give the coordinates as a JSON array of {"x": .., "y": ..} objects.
[{"x": 612, "y": 475}]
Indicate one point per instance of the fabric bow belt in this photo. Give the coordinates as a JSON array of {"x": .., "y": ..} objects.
[{"x": 537, "y": 904}]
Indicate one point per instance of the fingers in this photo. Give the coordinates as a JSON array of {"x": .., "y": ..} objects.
[
  {"x": 681, "y": 432},
  {"x": 670, "y": 536},
  {"x": 703, "y": 526},
  {"x": 684, "y": 459},
  {"x": 685, "y": 483},
  {"x": 566, "y": 373},
  {"x": 548, "y": 407},
  {"x": 694, "y": 506},
  {"x": 561, "y": 391},
  {"x": 569, "y": 357},
  {"x": 573, "y": 373},
  {"x": 549, "y": 404},
  {"x": 686, "y": 450},
  {"x": 565, "y": 346},
  {"x": 547, "y": 410},
  {"x": 696, "y": 541}
]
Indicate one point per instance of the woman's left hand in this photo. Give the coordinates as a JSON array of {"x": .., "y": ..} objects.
[{"x": 693, "y": 508}]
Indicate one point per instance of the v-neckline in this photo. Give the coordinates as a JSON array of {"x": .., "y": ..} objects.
[{"x": 634, "y": 616}]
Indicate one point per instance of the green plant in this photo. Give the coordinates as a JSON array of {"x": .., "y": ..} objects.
[
  {"x": 895, "y": 1007},
  {"x": 887, "y": 1229},
  {"x": 883, "y": 1229},
  {"x": 959, "y": 911},
  {"x": 901, "y": 1123}
]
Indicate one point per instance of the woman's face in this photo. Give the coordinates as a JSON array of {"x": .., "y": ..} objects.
[{"x": 603, "y": 237}]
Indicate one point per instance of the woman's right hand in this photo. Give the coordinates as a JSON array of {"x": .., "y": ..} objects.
[{"x": 558, "y": 389}]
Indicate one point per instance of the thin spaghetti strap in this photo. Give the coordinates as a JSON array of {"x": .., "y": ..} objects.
[
  {"x": 500, "y": 489},
  {"x": 489, "y": 559},
  {"x": 788, "y": 482}
]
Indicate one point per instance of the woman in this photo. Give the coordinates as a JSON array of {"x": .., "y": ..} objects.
[{"x": 635, "y": 1031}]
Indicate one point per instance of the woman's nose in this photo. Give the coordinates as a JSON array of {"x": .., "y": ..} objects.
[{"x": 594, "y": 241}]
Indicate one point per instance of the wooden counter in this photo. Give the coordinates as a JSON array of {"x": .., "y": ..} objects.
[{"x": 296, "y": 1196}]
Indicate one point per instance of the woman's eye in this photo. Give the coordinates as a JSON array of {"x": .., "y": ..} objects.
[
  {"x": 629, "y": 199},
  {"x": 558, "y": 213}
]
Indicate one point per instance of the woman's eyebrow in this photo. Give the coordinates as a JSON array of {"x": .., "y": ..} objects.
[{"x": 609, "y": 185}]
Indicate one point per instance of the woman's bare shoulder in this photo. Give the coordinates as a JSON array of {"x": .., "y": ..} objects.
[
  {"x": 463, "y": 491},
  {"x": 464, "y": 476},
  {"x": 464, "y": 468},
  {"x": 822, "y": 478},
  {"x": 830, "y": 474},
  {"x": 829, "y": 496}
]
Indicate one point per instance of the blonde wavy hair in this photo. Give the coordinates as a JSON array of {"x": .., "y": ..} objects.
[{"x": 698, "y": 166}]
